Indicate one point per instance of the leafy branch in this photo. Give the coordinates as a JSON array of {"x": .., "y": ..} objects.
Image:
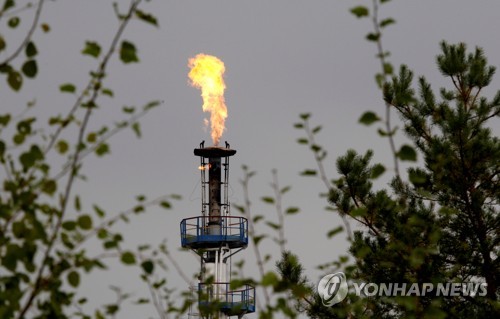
[
  {"x": 97, "y": 145},
  {"x": 246, "y": 209},
  {"x": 319, "y": 156},
  {"x": 90, "y": 104},
  {"x": 382, "y": 77},
  {"x": 28, "y": 36}
]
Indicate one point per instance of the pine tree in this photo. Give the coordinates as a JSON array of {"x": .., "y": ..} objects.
[{"x": 440, "y": 222}]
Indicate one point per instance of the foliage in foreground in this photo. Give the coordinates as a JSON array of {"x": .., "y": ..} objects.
[
  {"x": 48, "y": 234},
  {"x": 439, "y": 223}
]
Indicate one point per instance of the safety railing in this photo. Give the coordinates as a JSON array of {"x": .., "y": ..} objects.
[
  {"x": 199, "y": 232},
  {"x": 219, "y": 296}
]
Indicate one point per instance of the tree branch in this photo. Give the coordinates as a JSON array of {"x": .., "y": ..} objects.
[
  {"x": 251, "y": 232},
  {"x": 324, "y": 178},
  {"x": 381, "y": 56},
  {"x": 28, "y": 35},
  {"x": 279, "y": 211},
  {"x": 69, "y": 184}
]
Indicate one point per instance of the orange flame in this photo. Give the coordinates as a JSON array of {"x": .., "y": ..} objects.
[
  {"x": 206, "y": 73},
  {"x": 204, "y": 167}
]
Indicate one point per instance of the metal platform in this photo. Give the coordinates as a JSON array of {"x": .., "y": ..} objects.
[
  {"x": 231, "y": 302},
  {"x": 214, "y": 151},
  {"x": 198, "y": 233}
]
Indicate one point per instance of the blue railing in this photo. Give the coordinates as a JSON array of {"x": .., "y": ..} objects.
[
  {"x": 197, "y": 233},
  {"x": 229, "y": 301}
]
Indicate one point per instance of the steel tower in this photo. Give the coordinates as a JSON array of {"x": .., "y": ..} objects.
[{"x": 215, "y": 236}]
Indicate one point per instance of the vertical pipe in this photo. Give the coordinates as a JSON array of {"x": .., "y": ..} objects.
[{"x": 214, "y": 186}]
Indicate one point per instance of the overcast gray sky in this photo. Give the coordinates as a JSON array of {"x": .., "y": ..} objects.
[{"x": 282, "y": 58}]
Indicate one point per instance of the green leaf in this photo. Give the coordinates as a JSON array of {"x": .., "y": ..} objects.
[
  {"x": 268, "y": 200},
  {"x": 315, "y": 148},
  {"x": 138, "y": 209},
  {"x": 388, "y": 69},
  {"x": 89, "y": 104},
  {"x": 128, "y": 258},
  {"x": 5, "y": 119},
  {"x": 151, "y": 105},
  {"x": 78, "y": 205},
  {"x": 45, "y": 27},
  {"x": 24, "y": 126},
  {"x": 14, "y": 22},
  {"x": 334, "y": 231},
  {"x": 3, "y": 44},
  {"x": 407, "y": 153},
  {"x": 285, "y": 189},
  {"x": 257, "y": 218},
  {"x": 128, "y": 109},
  {"x": 146, "y": 17},
  {"x": 5, "y": 68},
  {"x": 382, "y": 133},
  {"x": 360, "y": 11},
  {"x": 137, "y": 129},
  {"x": 380, "y": 80},
  {"x": 159, "y": 283},
  {"x": 102, "y": 233},
  {"x": 67, "y": 87},
  {"x": 110, "y": 244},
  {"x": 176, "y": 196},
  {"x": 69, "y": 225},
  {"x": 8, "y": 4},
  {"x": 128, "y": 52},
  {"x": 270, "y": 279},
  {"x": 373, "y": 36},
  {"x": 309, "y": 172},
  {"x": 2, "y": 149},
  {"x": 147, "y": 266},
  {"x": 165, "y": 204},
  {"x": 31, "y": 50},
  {"x": 15, "y": 80},
  {"x": 49, "y": 187},
  {"x": 298, "y": 125},
  {"x": 102, "y": 149},
  {"x": 82, "y": 301},
  {"x": 417, "y": 177},
  {"x": 84, "y": 222},
  {"x": 387, "y": 22},
  {"x": 302, "y": 141},
  {"x": 377, "y": 170},
  {"x": 62, "y": 146},
  {"x": 273, "y": 225},
  {"x": 74, "y": 279},
  {"x": 141, "y": 301},
  {"x": 92, "y": 48},
  {"x": 368, "y": 118},
  {"x": 316, "y": 129},
  {"x": 292, "y": 210},
  {"x": 18, "y": 139},
  {"x": 91, "y": 137},
  {"x": 108, "y": 92},
  {"x": 29, "y": 158},
  {"x": 305, "y": 116}
]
